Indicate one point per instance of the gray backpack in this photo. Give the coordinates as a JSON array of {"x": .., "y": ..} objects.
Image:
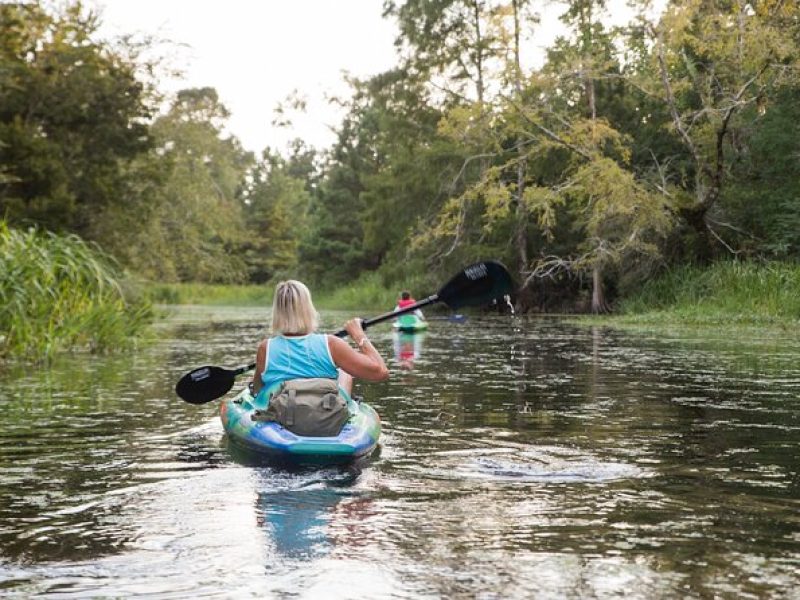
[{"x": 308, "y": 407}]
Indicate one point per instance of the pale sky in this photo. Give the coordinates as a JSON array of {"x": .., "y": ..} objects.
[{"x": 257, "y": 52}]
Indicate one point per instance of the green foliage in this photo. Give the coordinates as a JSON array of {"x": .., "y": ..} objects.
[
  {"x": 762, "y": 204},
  {"x": 72, "y": 119},
  {"x": 60, "y": 293},
  {"x": 196, "y": 225},
  {"x": 715, "y": 64},
  {"x": 668, "y": 141},
  {"x": 332, "y": 250},
  {"x": 369, "y": 291},
  {"x": 276, "y": 213},
  {"x": 621, "y": 218},
  {"x": 209, "y": 294},
  {"x": 450, "y": 38},
  {"x": 726, "y": 292},
  {"x": 82, "y": 153}
]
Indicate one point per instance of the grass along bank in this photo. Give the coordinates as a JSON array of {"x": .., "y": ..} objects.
[
  {"x": 210, "y": 294},
  {"x": 725, "y": 293},
  {"x": 59, "y": 293},
  {"x": 369, "y": 292}
]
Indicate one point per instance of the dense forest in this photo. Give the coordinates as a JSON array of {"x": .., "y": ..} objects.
[{"x": 673, "y": 140}]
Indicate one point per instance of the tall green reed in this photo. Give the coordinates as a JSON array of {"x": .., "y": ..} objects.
[
  {"x": 729, "y": 291},
  {"x": 60, "y": 293}
]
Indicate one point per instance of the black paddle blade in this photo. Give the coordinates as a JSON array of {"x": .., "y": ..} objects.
[
  {"x": 476, "y": 285},
  {"x": 205, "y": 384}
]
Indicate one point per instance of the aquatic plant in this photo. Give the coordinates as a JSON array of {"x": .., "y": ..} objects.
[
  {"x": 746, "y": 292},
  {"x": 58, "y": 292}
]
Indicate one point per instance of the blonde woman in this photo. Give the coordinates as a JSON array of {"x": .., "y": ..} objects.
[{"x": 296, "y": 352}]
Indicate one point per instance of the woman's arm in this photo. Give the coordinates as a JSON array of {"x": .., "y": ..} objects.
[
  {"x": 366, "y": 364},
  {"x": 261, "y": 359}
]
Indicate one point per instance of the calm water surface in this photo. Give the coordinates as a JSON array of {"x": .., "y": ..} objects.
[{"x": 520, "y": 458}]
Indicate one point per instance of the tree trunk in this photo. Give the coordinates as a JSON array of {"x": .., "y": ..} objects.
[
  {"x": 522, "y": 213},
  {"x": 696, "y": 219},
  {"x": 476, "y": 8},
  {"x": 599, "y": 305}
]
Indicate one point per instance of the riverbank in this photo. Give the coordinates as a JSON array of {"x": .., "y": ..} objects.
[
  {"x": 367, "y": 292},
  {"x": 763, "y": 294},
  {"x": 732, "y": 293}
]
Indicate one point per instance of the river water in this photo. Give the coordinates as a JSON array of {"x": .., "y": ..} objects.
[{"x": 519, "y": 458}]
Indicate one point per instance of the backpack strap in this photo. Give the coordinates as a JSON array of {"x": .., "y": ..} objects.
[
  {"x": 328, "y": 401},
  {"x": 290, "y": 408}
]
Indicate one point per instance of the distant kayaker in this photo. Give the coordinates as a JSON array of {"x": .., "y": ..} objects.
[
  {"x": 296, "y": 352},
  {"x": 407, "y": 300}
]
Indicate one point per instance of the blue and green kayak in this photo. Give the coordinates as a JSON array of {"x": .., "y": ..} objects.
[
  {"x": 410, "y": 323},
  {"x": 358, "y": 437}
]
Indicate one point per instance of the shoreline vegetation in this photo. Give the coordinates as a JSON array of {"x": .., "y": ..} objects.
[
  {"x": 581, "y": 181},
  {"x": 763, "y": 294},
  {"x": 729, "y": 293},
  {"x": 59, "y": 293},
  {"x": 367, "y": 292}
]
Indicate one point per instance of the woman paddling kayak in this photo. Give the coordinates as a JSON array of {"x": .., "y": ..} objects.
[
  {"x": 296, "y": 410},
  {"x": 296, "y": 352}
]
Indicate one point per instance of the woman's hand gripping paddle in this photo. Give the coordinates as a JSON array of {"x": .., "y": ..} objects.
[{"x": 477, "y": 284}]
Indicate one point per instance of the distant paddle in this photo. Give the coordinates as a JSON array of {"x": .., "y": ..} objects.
[
  {"x": 476, "y": 285},
  {"x": 451, "y": 318}
]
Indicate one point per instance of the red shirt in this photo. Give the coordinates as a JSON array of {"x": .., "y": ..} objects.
[{"x": 405, "y": 303}]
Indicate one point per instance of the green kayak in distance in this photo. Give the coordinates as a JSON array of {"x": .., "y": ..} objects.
[{"x": 410, "y": 324}]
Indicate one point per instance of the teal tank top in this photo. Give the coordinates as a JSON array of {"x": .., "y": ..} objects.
[{"x": 298, "y": 357}]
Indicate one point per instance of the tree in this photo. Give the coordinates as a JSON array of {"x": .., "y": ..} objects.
[
  {"x": 276, "y": 206},
  {"x": 562, "y": 179},
  {"x": 717, "y": 66},
  {"x": 332, "y": 250},
  {"x": 73, "y": 117},
  {"x": 197, "y": 224},
  {"x": 446, "y": 38},
  {"x": 762, "y": 202}
]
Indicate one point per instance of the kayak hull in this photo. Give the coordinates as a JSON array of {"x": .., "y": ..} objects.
[
  {"x": 410, "y": 324},
  {"x": 358, "y": 437}
]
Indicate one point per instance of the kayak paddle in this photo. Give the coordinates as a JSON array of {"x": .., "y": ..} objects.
[
  {"x": 450, "y": 318},
  {"x": 477, "y": 284}
]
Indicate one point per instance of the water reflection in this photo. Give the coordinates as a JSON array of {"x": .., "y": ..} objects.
[
  {"x": 296, "y": 510},
  {"x": 407, "y": 348},
  {"x": 296, "y": 520}
]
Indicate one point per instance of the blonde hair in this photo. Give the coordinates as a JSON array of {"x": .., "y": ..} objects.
[{"x": 292, "y": 309}]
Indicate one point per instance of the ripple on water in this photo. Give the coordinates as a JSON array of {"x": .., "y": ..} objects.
[{"x": 546, "y": 465}]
